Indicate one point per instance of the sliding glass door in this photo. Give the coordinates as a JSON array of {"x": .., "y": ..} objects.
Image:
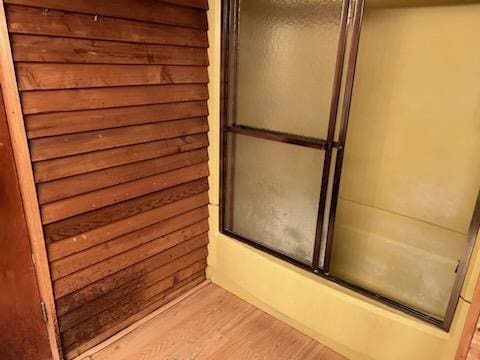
[
  {"x": 378, "y": 201},
  {"x": 411, "y": 170},
  {"x": 283, "y": 82}
]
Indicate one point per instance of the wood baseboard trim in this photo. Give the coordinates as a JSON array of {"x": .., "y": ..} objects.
[{"x": 87, "y": 355}]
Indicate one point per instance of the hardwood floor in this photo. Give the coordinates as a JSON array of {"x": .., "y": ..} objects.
[
  {"x": 474, "y": 351},
  {"x": 214, "y": 324}
]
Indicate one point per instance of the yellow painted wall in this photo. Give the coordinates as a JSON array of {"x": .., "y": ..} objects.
[{"x": 351, "y": 324}]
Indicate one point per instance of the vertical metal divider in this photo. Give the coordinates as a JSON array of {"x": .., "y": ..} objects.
[
  {"x": 353, "y": 52},
  {"x": 337, "y": 85},
  {"x": 225, "y": 39},
  {"x": 231, "y": 70}
]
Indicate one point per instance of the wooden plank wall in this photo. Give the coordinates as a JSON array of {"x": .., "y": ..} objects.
[{"x": 114, "y": 100}]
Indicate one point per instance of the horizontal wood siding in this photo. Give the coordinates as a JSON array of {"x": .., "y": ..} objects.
[{"x": 114, "y": 97}]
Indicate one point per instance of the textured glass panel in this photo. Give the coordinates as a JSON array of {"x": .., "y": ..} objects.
[
  {"x": 272, "y": 194},
  {"x": 286, "y": 63},
  {"x": 411, "y": 170}
]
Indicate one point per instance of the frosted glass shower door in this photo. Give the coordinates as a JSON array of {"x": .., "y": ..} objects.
[
  {"x": 281, "y": 77},
  {"x": 411, "y": 171}
]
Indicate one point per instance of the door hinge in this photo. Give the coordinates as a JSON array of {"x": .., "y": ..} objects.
[{"x": 43, "y": 310}]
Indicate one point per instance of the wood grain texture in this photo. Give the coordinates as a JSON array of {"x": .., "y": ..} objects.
[
  {"x": 125, "y": 308},
  {"x": 127, "y": 316},
  {"x": 199, "y": 4},
  {"x": 101, "y": 288},
  {"x": 18, "y": 140},
  {"x": 469, "y": 345},
  {"x": 37, "y": 76},
  {"x": 37, "y": 21},
  {"x": 92, "y": 308},
  {"x": 474, "y": 348},
  {"x": 141, "y": 320},
  {"x": 79, "y": 164},
  {"x": 187, "y": 239},
  {"x": 23, "y": 334},
  {"x": 72, "y": 144},
  {"x": 79, "y": 184},
  {"x": 80, "y": 204},
  {"x": 87, "y": 239},
  {"x": 94, "y": 219},
  {"x": 98, "y": 253},
  {"x": 218, "y": 325},
  {"x": 83, "y": 99},
  {"x": 143, "y": 10},
  {"x": 114, "y": 98},
  {"x": 60, "y": 123},
  {"x": 37, "y": 48}
]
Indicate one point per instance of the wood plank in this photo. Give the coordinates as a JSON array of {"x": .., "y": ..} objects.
[
  {"x": 101, "y": 217},
  {"x": 79, "y": 184},
  {"x": 471, "y": 325},
  {"x": 219, "y": 326},
  {"x": 98, "y": 253},
  {"x": 156, "y": 303},
  {"x": 79, "y": 164},
  {"x": 90, "y": 293},
  {"x": 183, "y": 239},
  {"x": 199, "y": 4},
  {"x": 68, "y": 50},
  {"x": 87, "y": 239},
  {"x": 69, "y": 122},
  {"x": 19, "y": 296},
  {"x": 26, "y": 182},
  {"x": 80, "y": 204},
  {"x": 143, "y": 10},
  {"x": 100, "y": 304},
  {"x": 27, "y": 20},
  {"x": 84, "y": 99},
  {"x": 72, "y": 144},
  {"x": 124, "y": 309},
  {"x": 37, "y": 76},
  {"x": 142, "y": 318}
]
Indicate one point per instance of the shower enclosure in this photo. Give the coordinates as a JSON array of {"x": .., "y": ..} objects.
[{"x": 358, "y": 184}]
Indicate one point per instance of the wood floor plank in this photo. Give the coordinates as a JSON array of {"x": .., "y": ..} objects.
[
  {"x": 37, "y": 48},
  {"x": 125, "y": 308},
  {"x": 77, "y": 225},
  {"x": 83, "y": 203},
  {"x": 69, "y": 122},
  {"x": 159, "y": 301},
  {"x": 144, "y": 10},
  {"x": 79, "y": 164},
  {"x": 87, "y": 239},
  {"x": 73, "y": 144},
  {"x": 37, "y": 21},
  {"x": 474, "y": 348},
  {"x": 40, "y": 101},
  {"x": 83, "y": 183},
  {"x": 219, "y": 326}
]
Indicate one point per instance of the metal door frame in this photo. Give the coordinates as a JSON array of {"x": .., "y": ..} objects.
[{"x": 351, "y": 21}]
